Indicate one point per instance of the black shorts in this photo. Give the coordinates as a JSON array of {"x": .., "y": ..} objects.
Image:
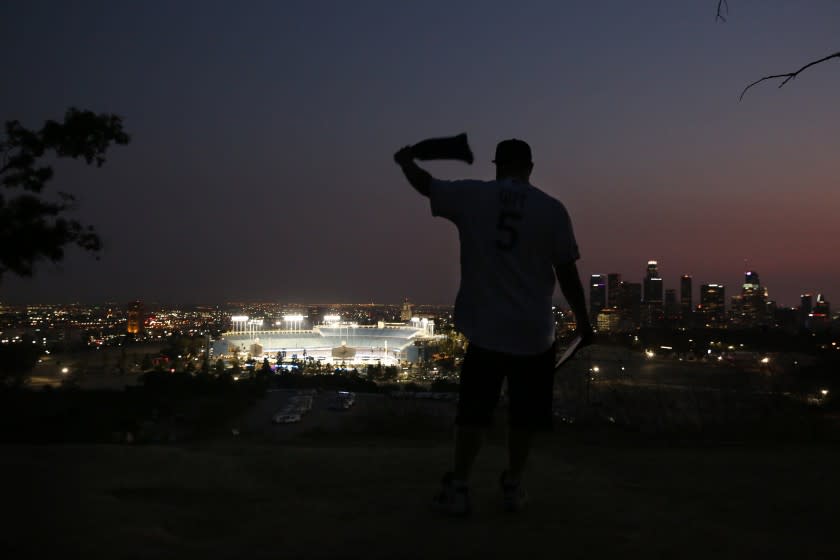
[{"x": 530, "y": 388}]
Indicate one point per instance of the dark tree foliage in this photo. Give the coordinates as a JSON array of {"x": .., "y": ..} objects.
[
  {"x": 33, "y": 227},
  {"x": 17, "y": 362}
]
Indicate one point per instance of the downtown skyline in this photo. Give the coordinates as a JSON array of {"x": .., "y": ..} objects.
[
  {"x": 669, "y": 282},
  {"x": 260, "y": 165}
]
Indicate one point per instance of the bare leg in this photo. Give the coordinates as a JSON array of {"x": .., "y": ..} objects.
[
  {"x": 519, "y": 447},
  {"x": 468, "y": 441}
]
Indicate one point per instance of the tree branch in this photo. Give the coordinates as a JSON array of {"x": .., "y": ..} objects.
[
  {"x": 790, "y": 75},
  {"x": 723, "y": 8}
]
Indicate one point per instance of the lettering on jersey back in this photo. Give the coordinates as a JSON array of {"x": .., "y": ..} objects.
[{"x": 511, "y": 204}]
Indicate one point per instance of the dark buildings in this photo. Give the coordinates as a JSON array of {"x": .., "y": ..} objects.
[
  {"x": 672, "y": 308},
  {"x": 652, "y": 312},
  {"x": 597, "y": 295},
  {"x": 806, "y": 307},
  {"x": 630, "y": 303},
  {"x": 613, "y": 290},
  {"x": 686, "y": 299},
  {"x": 713, "y": 305}
]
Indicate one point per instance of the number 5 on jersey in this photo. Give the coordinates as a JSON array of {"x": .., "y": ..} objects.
[{"x": 508, "y": 233}]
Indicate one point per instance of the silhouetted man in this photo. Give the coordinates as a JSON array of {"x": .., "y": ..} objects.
[{"x": 514, "y": 240}]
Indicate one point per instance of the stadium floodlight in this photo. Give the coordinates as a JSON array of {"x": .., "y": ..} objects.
[
  {"x": 293, "y": 317},
  {"x": 239, "y": 318}
]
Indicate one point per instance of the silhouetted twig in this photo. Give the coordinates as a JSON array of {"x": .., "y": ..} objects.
[
  {"x": 790, "y": 75},
  {"x": 723, "y": 8}
]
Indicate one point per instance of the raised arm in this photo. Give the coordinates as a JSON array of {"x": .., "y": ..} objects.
[
  {"x": 567, "y": 275},
  {"x": 419, "y": 178}
]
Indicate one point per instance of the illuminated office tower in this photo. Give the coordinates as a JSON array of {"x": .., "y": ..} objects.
[
  {"x": 608, "y": 320},
  {"x": 613, "y": 289},
  {"x": 823, "y": 307},
  {"x": 406, "y": 313},
  {"x": 750, "y": 308},
  {"x": 686, "y": 301},
  {"x": 652, "y": 311},
  {"x": 821, "y": 315},
  {"x": 597, "y": 295},
  {"x": 134, "y": 324},
  {"x": 713, "y": 305}
]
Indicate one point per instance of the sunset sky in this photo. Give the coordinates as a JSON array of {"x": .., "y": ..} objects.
[{"x": 261, "y": 166}]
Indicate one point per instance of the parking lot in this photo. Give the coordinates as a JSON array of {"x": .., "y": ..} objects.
[
  {"x": 260, "y": 419},
  {"x": 325, "y": 416}
]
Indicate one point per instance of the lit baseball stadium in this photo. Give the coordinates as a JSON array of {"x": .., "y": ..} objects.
[{"x": 334, "y": 342}]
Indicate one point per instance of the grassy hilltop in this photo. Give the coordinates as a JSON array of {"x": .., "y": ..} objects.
[
  {"x": 344, "y": 496},
  {"x": 660, "y": 469}
]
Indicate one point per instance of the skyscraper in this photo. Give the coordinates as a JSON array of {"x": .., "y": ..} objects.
[
  {"x": 713, "y": 305},
  {"x": 134, "y": 323},
  {"x": 672, "y": 307},
  {"x": 609, "y": 320},
  {"x": 630, "y": 302},
  {"x": 613, "y": 289},
  {"x": 806, "y": 306},
  {"x": 653, "y": 298},
  {"x": 686, "y": 300},
  {"x": 822, "y": 306},
  {"x": 406, "y": 312},
  {"x": 750, "y": 308},
  {"x": 597, "y": 295},
  {"x": 821, "y": 315}
]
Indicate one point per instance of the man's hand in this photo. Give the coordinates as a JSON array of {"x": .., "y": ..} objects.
[{"x": 404, "y": 156}]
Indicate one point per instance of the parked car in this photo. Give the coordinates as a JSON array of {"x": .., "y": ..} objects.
[
  {"x": 339, "y": 404},
  {"x": 286, "y": 418},
  {"x": 346, "y": 396}
]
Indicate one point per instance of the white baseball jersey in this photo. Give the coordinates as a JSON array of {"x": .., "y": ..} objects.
[{"x": 512, "y": 234}]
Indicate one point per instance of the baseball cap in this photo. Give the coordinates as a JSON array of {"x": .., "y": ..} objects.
[{"x": 513, "y": 151}]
